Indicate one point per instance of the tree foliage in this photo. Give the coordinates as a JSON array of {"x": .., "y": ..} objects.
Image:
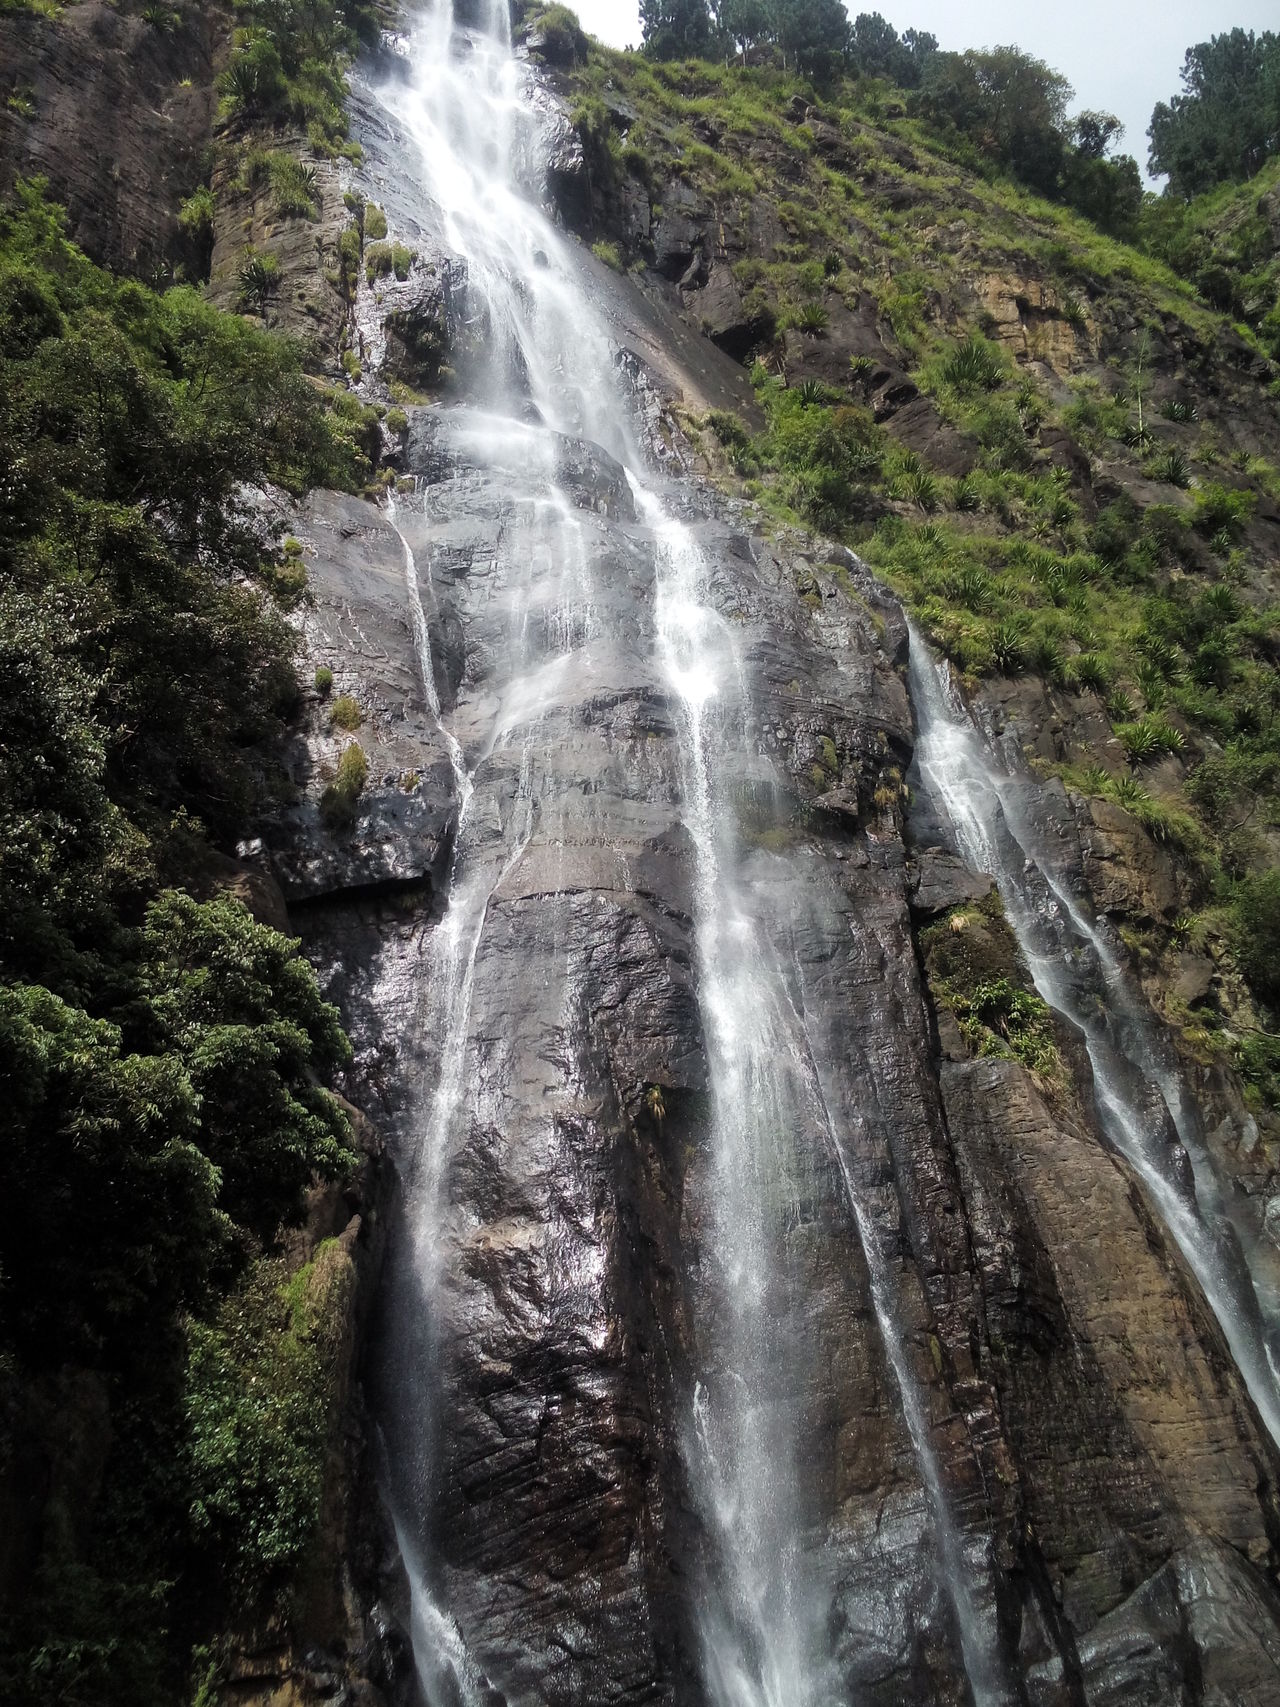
[
  {"x": 161, "y": 1060},
  {"x": 1226, "y": 122},
  {"x": 675, "y": 29}
]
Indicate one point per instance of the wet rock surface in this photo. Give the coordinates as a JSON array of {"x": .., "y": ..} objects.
[
  {"x": 1111, "y": 1489},
  {"x": 1086, "y": 1415}
]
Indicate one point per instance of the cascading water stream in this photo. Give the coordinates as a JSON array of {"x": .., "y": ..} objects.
[
  {"x": 1077, "y": 971},
  {"x": 766, "y": 1648},
  {"x": 549, "y": 371}
]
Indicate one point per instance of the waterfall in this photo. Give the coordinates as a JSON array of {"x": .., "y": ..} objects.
[
  {"x": 764, "y": 1602},
  {"x": 1078, "y": 972}
]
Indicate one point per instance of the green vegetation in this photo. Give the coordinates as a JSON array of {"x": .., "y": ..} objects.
[
  {"x": 1141, "y": 607},
  {"x": 323, "y": 680},
  {"x": 288, "y": 66},
  {"x": 610, "y": 254},
  {"x": 338, "y": 802},
  {"x": 976, "y": 972},
  {"x": 346, "y": 713},
  {"x": 259, "y": 1388},
  {"x": 1226, "y": 122},
  {"x": 382, "y": 259},
  {"x": 163, "y": 1058},
  {"x": 559, "y": 37}
]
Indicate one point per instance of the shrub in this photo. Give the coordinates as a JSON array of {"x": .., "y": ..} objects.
[
  {"x": 375, "y": 223},
  {"x": 610, "y": 254},
  {"x": 813, "y": 319},
  {"x": 919, "y": 487},
  {"x": 1222, "y": 511},
  {"x": 346, "y": 713},
  {"x": 397, "y": 422},
  {"x": 323, "y": 680},
  {"x": 563, "y": 40},
  {"x": 338, "y": 802},
  {"x": 196, "y": 213},
  {"x": 1008, "y": 648},
  {"x": 1172, "y": 467},
  {"x": 1255, "y": 934},
  {"x": 1093, "y": 672},
  {"x": 294, "y": 187},
  {"x": 975, "y": 365},
  {"x": 257, "y": 1395},
  {"x": 1148, "y": 739},
  {"x": 728, "y": 429},
  {"x": 380, "y": 259},
  {"x": 259, "y": 280}
]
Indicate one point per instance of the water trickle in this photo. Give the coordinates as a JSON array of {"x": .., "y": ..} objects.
[{"x": 1076, "y": 969}]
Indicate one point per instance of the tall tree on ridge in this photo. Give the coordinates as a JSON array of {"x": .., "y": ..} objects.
[{"x": 675, "y": 29}]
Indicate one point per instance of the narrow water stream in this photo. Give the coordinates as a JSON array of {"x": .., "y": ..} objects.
[{"x": 1077, "y": 970}]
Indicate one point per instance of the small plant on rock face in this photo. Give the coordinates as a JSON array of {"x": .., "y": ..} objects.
[
  {"x": 1178, "y": 409},
  {"x": 338, "y": 802},
  {"x": 1149, "y": 739},
  {"x": 1172, "y": 467},
  {"x": 861, "y": 368},
  {"x": 324, "y": 680},
  {"x": 346, "y": 713},
  {"x": 920, "y": 487},
  {"x": 1120, "y": 706},
  {"x": 966, "y": 495},
  {"x": 295, "y": 187},
  {"x": 259, "y": 280},
  {"x": 196, "y": 213},
  {"x": 813, "y": 319},
  {"x": 973, "y": 588},
  {"x": 1073, "y": 313},
  {"x": 1008, "y": 649},
  {"x": 1092, "y": 672},
  {"x": 974, "y": 365}
]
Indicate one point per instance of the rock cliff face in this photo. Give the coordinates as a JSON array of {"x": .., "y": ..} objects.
[
  {"x": 982, "y": 1328},
  {"x": 1093, "y": 1434},
  {"x": 1004, "y": 1451},
  {"x": 117, "y": 115}
]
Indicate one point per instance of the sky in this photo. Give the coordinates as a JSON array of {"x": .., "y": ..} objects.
[{"x": 1120, "y": 55}]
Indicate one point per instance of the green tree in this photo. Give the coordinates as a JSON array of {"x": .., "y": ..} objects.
[
  {"x": 675, "y": 29},
  {"x": 813, "y": 35},
  {"x": 155, "y": 1147},
  {"x": 1226, "y": 121},
  {"x": 1106, "y": 189},
  {"x": 1011, "y": 105},
  {"x": 746, "y": 24}
]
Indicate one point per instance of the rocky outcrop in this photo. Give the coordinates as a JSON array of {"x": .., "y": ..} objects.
[{"x": 116, "y": 114}]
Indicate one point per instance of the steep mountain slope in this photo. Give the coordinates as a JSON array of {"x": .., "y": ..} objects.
[{"x": 772, "y": 1313}]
